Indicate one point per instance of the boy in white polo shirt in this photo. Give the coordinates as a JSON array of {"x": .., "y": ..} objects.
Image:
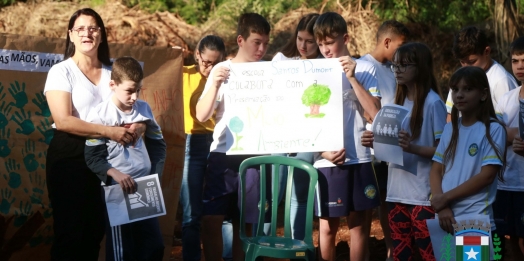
[{"x": 509, "y": 204}]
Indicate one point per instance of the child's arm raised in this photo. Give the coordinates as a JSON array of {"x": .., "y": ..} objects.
[
  {"x": 206, "y": 104},
  {"x": 370, "y": 103}
]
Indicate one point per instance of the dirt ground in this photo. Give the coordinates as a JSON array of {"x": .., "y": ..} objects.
[{"x": 377, "y": 247}]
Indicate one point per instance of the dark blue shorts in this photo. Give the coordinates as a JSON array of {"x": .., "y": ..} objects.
[
  {"x": 346, "y": 188},
  {"x": 221, "y": 187},
  {"x": 508, "y": 211}
]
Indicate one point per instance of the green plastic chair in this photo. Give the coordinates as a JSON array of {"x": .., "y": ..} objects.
[{"x": 271, "y": 245}]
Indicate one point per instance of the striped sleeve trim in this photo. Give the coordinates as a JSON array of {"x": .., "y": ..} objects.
[
  {"x": 95, "y": 142},
  {"x": 499, "y": 116},
  {"x": 437, "y": 135},
  {"x": 374, "y": 92},
  {"x": 449, "y": 105},
  {"x": 437, "y": 157},
  {"x": 491, "y": 160}
]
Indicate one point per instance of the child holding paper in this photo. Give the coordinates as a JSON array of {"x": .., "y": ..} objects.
[
  {"x": 115, "y": 163},
  {"x": 347, "y": 184},
  {"x": 221, "y": 179},
  {"x": 471, "y": 153},
  {"x": 508, "y": 207},
  {"x": 408, "y": 191}
]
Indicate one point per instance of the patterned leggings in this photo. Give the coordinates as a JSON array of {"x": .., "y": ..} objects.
[{"x": 408, "y": 224}]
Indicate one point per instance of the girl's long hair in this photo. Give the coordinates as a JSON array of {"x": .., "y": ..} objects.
[
  {"x": 306, "y": 23},
  {"x": 419, "y": 54},
  {"x": 474, "y": 77},
  {"x": 103, "y": 48}
]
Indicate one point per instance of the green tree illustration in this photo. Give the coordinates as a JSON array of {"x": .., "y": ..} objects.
[
  {"x": 315, "y": 96},
  {"x": 236, "y": 125}
]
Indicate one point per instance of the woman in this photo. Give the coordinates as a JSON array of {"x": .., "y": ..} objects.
[
  {"x": 302, "y": 46},
  {"x": 210, "y": 51},
  {"x": 74, "y": 87}
]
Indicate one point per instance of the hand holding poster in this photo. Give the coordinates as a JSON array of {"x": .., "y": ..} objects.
[
  {"x": 146, "y": 202},
  {"x": 386, "y": 127},
  {"x": 284, "y": 106}
]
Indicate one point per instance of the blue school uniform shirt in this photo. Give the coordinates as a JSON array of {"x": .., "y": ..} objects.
[{"x": 472, "y": 153}]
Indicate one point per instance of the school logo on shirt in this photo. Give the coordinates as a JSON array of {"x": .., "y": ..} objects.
[
  {"x": 473, "y": 149},
  {"x": 370, "y": 191}
]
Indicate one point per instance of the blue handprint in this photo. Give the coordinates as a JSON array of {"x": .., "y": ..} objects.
[
  {"x": 38, "y": 188},
  {"x": 46, "y": 130},
  {"x": 4, "y": 111},
  {"x": 30, "y": 162},
  {"x": 41, "y": 102},
  {"x": 14, "y": 178},
  {"x": 48, "y": 212},
  {"x": 18, "y": 94},
  {"x": 40, "y": 155},
  {"x": 5, "y": 205},
  {"x": 24, "y": 213},
  {"x": 24, "y": 121},
  {"x": 5, "y": 150}
]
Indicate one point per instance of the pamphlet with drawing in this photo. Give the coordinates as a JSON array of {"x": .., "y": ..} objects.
[
  {"x": 386, "y": 126},
  {"x": 146, "y": 202}
]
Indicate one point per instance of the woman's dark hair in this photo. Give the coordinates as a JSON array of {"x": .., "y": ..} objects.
[
  {"x": 306, "y": 23},
  {"x": 474, "y": 77},
  {"x": 103, "y": 48},
  {"x": 420, "y": 55},
  {"x": 212, "y": 43}
]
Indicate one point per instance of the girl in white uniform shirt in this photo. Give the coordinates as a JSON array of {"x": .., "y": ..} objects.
[
  {"x": 471, "y": 154},
  {"x": 408, "y": 189}
]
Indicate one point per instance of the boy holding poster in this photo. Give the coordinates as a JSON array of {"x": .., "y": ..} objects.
[
  {"x": 115, "y": 163},
  {"x": 347, "y": 185},
  {"x": 508, "y": 208},
  {"x": 221, "y": 179}
]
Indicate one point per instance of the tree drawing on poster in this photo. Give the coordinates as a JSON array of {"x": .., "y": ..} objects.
[
  {"x": 236, "y": 125},
  {"x": 25, "y": 133},
  {"x": 315, "y": 96}
]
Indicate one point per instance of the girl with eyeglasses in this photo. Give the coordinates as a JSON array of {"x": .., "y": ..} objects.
[
  {"x": 73, "y": 88},
  {"x": 408, "y": 191},
  {"x": 210, "y": 50}
]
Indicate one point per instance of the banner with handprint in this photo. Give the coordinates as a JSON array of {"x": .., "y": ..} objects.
[{"x": 26, "y": 231}]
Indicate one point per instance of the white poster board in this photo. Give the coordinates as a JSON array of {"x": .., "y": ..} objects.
[
  {"x": 284, "y": 106},
  {"x": 146, "y": 202},
  {"x": 386, "y": 126}
]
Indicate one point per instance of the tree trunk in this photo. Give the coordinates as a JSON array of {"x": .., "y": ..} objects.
[{"x": 314, "y": 109}]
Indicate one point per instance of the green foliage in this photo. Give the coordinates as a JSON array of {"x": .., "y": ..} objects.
[
  {"x": 316, "y": 94},
  {"x": 445, "y": 249},
  {"x": 445, "y": 14}
]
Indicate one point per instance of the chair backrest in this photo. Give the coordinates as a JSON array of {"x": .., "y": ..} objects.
[{"x": 276, "y": 162}]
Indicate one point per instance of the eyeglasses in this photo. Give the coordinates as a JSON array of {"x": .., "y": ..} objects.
[
  {"x": 94, "y": 30},
  {"x": 207, "y": 63},
  {"x": 401, "y": 67}
]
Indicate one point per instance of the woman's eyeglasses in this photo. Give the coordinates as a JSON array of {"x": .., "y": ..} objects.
[
  {"x": 82, "y": 30},
  {"x": 205, "y": 63},
  {"x": 401, "y": 67}
]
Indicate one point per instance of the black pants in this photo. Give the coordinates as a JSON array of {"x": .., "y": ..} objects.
[{"x": 75, "y": 195}]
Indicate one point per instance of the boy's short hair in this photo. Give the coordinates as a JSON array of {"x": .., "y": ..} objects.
[
  {"x": 329, "y": 24},
  {"x": 470, "y": 40},
  {"x": 252, "y": 23},
  {"x": 392, "y": 27},
  {"x": 126, "y": 68},
  {"x": 517, "y": 46}
]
